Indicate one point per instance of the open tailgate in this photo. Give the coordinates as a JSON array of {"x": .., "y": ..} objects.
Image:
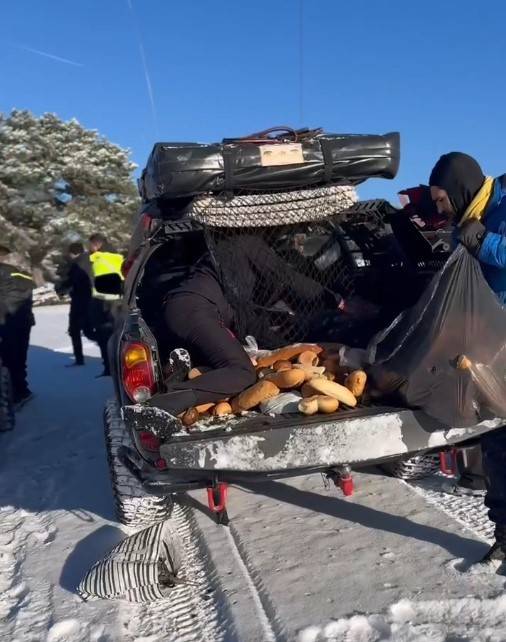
[{"x": 269, "y": 444}]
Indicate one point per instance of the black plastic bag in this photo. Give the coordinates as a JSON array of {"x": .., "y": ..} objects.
[{"x": 447, "y": 354}]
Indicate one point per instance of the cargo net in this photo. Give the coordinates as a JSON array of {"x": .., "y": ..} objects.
[
  {"x": 284, "y": 282},
  {"x": 272, "y": 208}
]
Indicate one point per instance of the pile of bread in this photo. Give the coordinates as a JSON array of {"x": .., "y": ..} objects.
[{"x": 302, "y": 378}]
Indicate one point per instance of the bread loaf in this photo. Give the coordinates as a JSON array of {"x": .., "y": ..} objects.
[
  {"x": 279, "y": 366},
  {"x": 308, "y": 358},
  {"x": 327, "y": 404},
  {"x": 355, "y": 382},
  {"x": 222, "y": 408},
  {"x": 335, "y": 390},
  {"x": 190, "y": 416},
  {"x": 309, "y": 406},
  {"x": 204, "y": 408},
  {"x": 285, "y": 354},
  {"x": 309, "y": 371},
  {"x": 464, "y": 363},
  {"x": 287, "y": 379},
  {"x": 252, "y": 396}
]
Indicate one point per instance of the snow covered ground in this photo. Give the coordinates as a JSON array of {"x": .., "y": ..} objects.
[{"x": 299, "y": 561}]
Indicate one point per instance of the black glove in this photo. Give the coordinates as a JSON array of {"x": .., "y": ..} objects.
[{"x": 472, "y": 235}]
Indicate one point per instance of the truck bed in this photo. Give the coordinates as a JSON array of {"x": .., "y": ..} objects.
[{"x": 264, "y": 444}]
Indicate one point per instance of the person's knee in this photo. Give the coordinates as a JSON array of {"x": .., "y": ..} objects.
[{"x": 245, "y": 375}]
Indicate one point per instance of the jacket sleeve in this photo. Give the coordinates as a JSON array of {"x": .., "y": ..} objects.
[{"x": 493, "y": 250}]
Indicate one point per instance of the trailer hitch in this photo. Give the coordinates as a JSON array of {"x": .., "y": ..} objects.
[
  {"x": 448, "y": 462},
  {"x": 342, "y": 478},
  {"x": 217, "y": 501}
]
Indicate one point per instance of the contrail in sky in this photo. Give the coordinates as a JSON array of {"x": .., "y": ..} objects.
[
  {"x": 48, "y": 55},
  {"x": 145, "y": 66}
]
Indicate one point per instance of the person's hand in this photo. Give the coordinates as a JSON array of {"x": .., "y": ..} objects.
[{"x": 471, "y": 235}]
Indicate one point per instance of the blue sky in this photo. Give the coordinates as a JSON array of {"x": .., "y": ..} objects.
[{"x": 432, "y": 69}]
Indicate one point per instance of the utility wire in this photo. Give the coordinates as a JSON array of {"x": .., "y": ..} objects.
[{"x": 147, "y": 77}]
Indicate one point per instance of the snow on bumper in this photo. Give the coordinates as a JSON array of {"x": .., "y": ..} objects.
[{"x": 351, "y": 440}]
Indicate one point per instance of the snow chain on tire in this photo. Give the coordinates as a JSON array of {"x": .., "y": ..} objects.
[
  {"x": 7, "y": 420},
  {"x": 134, "y": 506},
  {"x": 414, "y": 467}
]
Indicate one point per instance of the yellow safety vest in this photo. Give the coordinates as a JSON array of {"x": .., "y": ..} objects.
[{"x": 103, "y": 263}]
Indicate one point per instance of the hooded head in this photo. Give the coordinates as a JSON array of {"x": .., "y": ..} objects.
[{"x": 454, "y": 182}]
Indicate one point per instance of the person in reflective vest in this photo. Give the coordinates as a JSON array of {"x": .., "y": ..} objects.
[
  {"x": 16, "y": 321},
  {"x": 103, "y": 307}
]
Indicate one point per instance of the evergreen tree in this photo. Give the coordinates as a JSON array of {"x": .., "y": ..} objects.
[{"x": 60, "y": 182}]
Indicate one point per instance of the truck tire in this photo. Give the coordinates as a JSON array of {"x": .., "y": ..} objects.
[
  {"x": 7, "y": 420},
  {"x": 413, "y": 468},
  {"x": 134, "y": 506}
]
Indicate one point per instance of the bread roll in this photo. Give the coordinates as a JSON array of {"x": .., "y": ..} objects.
[
  {"x": 252, "y": 396},
  {"x": 310, "y": 372},
  {"x": 309, "y": 406},
  {"x": 204, "y": 407},
  {"x": 222, "y": 408},
  {"x": 287, "y": 379},
  {"x": 335, "y": 390},
  {"x": 285, "y": 354},
  {"x": 190, "y": 416},
  {"x": 327, "y": 404},
  {"x": 355, "y": 382},
  {"x": 463, "y": 362},
  {"x": 308, "y": 358},
  {"x": 279, "y": 366}
]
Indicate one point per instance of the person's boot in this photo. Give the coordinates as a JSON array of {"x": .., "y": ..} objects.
[
  {"x": 178, "y": 366},
  {"x": 495, "y": 557},
  {"x": 22, "y": 398},
  {"x": 77, "y": 362},
  {"x": 469, "y": 484}
]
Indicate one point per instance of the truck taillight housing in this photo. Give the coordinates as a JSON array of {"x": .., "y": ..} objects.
[{"x": 138, "y": 371}]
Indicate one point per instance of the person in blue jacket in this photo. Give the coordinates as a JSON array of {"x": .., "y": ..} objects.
[{"x": 476, "y": 205}]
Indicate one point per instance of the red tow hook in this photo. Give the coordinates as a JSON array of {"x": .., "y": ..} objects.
[
  {"x": 448, "y": 462},
  {"x": 217, "y": 501}
]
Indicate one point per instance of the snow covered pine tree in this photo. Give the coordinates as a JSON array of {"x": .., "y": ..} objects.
[{"x": 58, "y": 182}]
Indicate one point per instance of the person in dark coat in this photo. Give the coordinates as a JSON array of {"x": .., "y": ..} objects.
[
  {"x": 476, "y": 205},
  {"x": 16, "y": 321},
  {"x": 77, "y": 283}
]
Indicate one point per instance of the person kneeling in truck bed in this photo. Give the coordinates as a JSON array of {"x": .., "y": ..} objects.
[{"x": 198, "y": 318}]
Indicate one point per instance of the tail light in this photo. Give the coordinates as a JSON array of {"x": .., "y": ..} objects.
[
  {"x": 126, "y": 265},
  {"x": 138, "y": 371},
  {"x": 149, "y": 441}
]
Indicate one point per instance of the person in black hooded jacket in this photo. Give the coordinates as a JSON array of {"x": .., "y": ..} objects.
[{"x": 476, "y": 205}]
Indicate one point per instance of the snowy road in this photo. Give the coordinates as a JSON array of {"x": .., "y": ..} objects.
[{"x": 299, "y": 562}]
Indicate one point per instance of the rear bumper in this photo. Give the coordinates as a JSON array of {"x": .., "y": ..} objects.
[{"x": 268, "y": 446}]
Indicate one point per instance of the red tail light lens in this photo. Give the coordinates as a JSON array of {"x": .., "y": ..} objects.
[
  {"x": 138, "y": 371},
  {"x": 149, "y": 441},
  {"x": 126, "y": 265}
]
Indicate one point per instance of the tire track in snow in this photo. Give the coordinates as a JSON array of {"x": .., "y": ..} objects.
[
  {"x": 190, "y": 613},
  {"x": 23, "y": 607},
  {"x": 469, "y": 511},
  {"x": 273, "y": 630}
]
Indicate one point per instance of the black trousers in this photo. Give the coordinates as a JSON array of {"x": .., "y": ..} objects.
[
  {"x": 493, "y": 447},
  {"x": 79, "y": 323},
  {"x": 199, "y": 326},
  {"x": 15, "y": 335},
  {"x": 102, "y": 315}
]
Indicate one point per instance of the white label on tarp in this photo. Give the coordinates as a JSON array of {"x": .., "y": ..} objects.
[{"x": 281, "y": 154}]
